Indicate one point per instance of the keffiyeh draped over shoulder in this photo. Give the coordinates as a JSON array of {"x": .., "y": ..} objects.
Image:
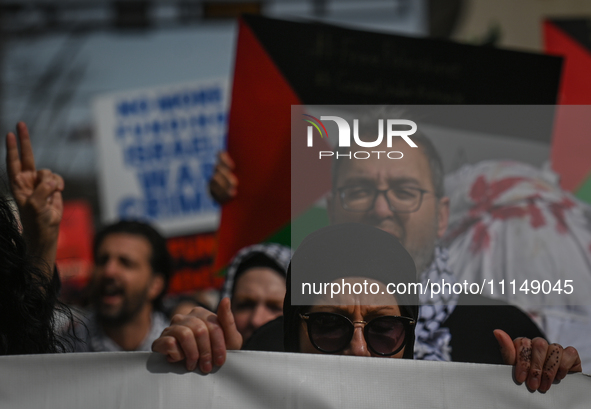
[
  {"x": 432, "y": 339},
  {"x": 272, "y": 255}
]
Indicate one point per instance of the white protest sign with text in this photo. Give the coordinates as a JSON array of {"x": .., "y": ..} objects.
[{"x": 157, "y": 151}]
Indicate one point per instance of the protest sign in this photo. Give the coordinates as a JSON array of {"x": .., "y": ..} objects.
[{"x": 157, "y": 150}]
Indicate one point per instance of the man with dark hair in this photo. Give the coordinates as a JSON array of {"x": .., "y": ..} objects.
[{"x": 132, "y": 270}]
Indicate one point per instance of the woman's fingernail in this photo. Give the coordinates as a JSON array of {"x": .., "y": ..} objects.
[
  {"x": 534, "y": 382},
  {"x": 545, "y": 384}
]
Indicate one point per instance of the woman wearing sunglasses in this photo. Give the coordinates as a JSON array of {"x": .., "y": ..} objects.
[
  {"x": 364, "y": 321},
  {"x": 352, "y": 258}
]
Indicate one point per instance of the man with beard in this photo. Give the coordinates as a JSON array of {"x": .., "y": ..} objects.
[{"x": 132, "y": 268}]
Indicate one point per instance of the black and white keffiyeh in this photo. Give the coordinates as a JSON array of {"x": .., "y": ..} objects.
[
  {"x": 432, "y": 340},
  {"x": 278, "y": 255}
]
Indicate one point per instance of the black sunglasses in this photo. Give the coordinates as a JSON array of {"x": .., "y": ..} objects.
[{"x": 330, "y": 332}]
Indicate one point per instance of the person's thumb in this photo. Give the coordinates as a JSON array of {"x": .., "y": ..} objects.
[{"x": 507, "y": 346}]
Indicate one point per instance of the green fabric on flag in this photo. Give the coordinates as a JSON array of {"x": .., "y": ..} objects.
[{"x": 584, "y": 191}]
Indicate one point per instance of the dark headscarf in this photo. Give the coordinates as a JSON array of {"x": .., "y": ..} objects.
[{"x": 347, "y": 250}]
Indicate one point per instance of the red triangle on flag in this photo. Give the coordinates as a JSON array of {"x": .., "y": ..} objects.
[
  {"x": 259, "y": 134},
  {"x": 571, "y": 144}
]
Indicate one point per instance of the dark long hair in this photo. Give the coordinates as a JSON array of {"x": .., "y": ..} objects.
[{"x": 29, "y": 309}]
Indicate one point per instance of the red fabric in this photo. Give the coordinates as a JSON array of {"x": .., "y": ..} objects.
[
  {"x": 571, "y": 143},
  {"x": 259, "y": 143},
  {"x": 488, "y": 208},
  {"x": 74, "y": 245}
]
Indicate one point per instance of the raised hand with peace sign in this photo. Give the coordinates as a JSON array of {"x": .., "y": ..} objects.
[{"x": 37, "y": 194}]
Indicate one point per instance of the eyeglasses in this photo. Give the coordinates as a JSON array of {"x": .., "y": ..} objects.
[
  {"x": 363, "y": 198},
  {"x": 330, "y": 332}
]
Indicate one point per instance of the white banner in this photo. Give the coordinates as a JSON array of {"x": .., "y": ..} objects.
[
  {"x": 157, "y": 150},
  {"x": 270, "y": 380}
]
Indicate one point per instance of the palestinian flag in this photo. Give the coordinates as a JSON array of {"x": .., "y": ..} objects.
[{"x": 285, "y": 63}]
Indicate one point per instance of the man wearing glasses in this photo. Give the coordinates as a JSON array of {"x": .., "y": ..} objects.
[{"x": 402, "y": 197}]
